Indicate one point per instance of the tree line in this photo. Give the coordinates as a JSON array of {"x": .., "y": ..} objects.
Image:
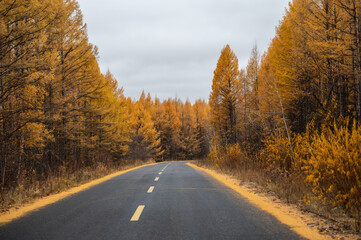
[
  {"x": 58, "y": 112},
  {"x": 294, "y": 113}
]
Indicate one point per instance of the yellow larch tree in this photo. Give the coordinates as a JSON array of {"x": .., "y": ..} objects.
[
  {"x": 190, "y": 144},
  {"x": 25, "y": 65},
  {"x": 223, "y": 98},
  {"x": 145, "y": 139},
  {"x": 203, "y": 128}
]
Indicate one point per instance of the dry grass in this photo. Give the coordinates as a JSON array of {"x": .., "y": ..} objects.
[{"x": 29, "y": 192}]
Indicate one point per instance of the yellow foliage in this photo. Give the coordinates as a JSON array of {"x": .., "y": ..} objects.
[
  {"x": 334, "y": 165},
  {"x": 330, "y": 161},
  {"x": 276, "y": 155},
  {"x": 37, "y": 135},
  {"x": 233, "y": 155},
  {"x": 223, "y": 98},
  {"x": 230, "y": 156},
  {"x": 145, "y": 141},
  {"x": 215, "y": 151}
]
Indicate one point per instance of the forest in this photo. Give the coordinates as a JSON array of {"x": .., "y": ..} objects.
[
  {"x": 60, "y": 115},
  {"x": 289, "y": 120}
]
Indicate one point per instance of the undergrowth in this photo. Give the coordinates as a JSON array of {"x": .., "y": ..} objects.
[{"x": 319, "y": 170}]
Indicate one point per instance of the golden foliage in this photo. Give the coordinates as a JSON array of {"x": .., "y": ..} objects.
[
  {"x": 229, "y": 156},
  {"x": 333, "y": 167},
  {"x": 223, "y": 98},
  {"x": 308, "y": 78},
  {"x": 59, "y": 113},
  {"x": 145, "y": 140},
  {"x": 276, "y": 154},
  {"x": 328, "y": 159}
]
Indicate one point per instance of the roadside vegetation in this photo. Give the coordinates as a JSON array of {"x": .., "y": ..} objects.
[
  {"x": 289, "y": 121},
  {"x": 63, "y": 122}
]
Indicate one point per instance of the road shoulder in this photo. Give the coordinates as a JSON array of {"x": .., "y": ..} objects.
[{"x": 285, "y": 213}]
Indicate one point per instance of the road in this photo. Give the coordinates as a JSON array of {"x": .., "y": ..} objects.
[{"x": 162, "y": 201}]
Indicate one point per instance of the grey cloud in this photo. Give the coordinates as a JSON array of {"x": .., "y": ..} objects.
[{"x": 171, "y": 47}]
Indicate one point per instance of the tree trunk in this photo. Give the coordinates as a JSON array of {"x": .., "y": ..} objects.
[{"x": 355, "y": 23}]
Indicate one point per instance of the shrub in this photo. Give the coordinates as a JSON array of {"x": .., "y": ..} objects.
[
  {"x": 276, "y": 155},
  {"x": 233, "y": 155},
  {"x": 215, "y": 152},
  {"x": 230, "y": 156},
  {"x": 334, "y": 166}
]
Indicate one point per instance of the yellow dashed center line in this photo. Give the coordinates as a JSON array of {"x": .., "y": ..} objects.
[
  {"x": 140, "y": 208},
  {"x": 165, "y": 167},
  {"x": 137, "y": 213},
  {"x": 151, "y": 188}
]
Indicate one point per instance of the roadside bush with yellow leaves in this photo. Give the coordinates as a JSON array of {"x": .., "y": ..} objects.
[
  {"x": 282, "y": 164},
  {"x": 230, "y": 156},
  {"x": 233, "y": 155},
  {"x": 277, "y": 156},
  {"x": 334, "y": 166},
  {"x": 215, "y": 152}
]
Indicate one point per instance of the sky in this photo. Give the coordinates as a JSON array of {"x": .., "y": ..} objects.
[{"x": 170, "y": 48}]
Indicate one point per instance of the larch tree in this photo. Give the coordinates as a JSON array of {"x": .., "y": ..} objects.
[
  {"x": 145, "y": 139},
  {"x": 223, "y": 98},
  {"x": 203, "y": 128},
  {"x": 25, "y": 65},
  {"x": 190, "y": 144},
  {"x": 59, "y": 114},
  {"x": 171, "y": 129},
  {"x": 252, "y": 77}
]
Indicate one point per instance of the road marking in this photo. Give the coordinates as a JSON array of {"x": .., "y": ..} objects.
[
  {"x": 156, "y": 179},
  {"x": 160, "y": 173},
  {"x": 137, "y": 213},
  {"x": 151, "y": 188},
  {"x": 17, "y": 213},
  {"x": 165, "y": 167}
]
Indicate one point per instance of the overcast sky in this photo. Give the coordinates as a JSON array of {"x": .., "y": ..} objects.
[{"x": 170, "y": 47}]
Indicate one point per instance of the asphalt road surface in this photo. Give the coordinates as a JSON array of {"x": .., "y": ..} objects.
[{"x": 162, "y": 201}]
